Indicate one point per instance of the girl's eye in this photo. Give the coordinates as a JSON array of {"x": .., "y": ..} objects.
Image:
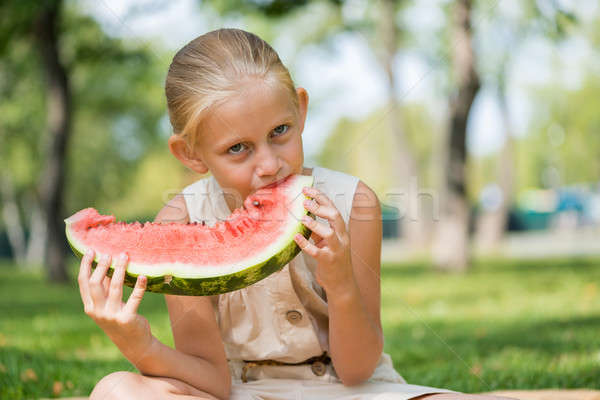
[
  {"x": 236, "y": 148},
  {"x": 280, "y": 130}
]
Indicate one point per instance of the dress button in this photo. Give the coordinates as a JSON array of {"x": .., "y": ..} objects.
[
  {"x": 318, "y": 368},
  {"x": 293, "y": 316}
]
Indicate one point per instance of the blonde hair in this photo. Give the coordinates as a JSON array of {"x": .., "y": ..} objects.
[{"x": 209, "y": 69}]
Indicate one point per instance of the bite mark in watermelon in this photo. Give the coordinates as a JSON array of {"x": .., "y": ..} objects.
[{"x": 199, "y": 260}]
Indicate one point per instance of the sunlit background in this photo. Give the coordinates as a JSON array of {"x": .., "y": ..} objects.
[
  {"x": 387, "y": 81},
  {"x": 532, "y": 137}
]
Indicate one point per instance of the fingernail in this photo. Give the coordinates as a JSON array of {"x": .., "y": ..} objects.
[
  {"x": 306, "y": 219},
  {"x": 104, "y": 258},
  {"x": 123, "y": 257},
  {"x": 89, "y": 253},
  {"x": 307, "y": 203}
]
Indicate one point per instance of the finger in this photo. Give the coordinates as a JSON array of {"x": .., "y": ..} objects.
[
  {"x": 331, "y": 214},
  {"x": 115, "y": 293},
  {"x": 306, "y": 246},
  {"x": 106, "y": 285},
  {"x": 136, "y": 296},
  {"x": 84, "y": 277},
  {"x": 96, "y": 289},
  {"x": 322, "y": 230},
  {"x": 322, "y": 206},
  {"x": 316, "y": 239}
]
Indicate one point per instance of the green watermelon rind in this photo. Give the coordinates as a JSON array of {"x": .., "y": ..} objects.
[{"x": 212, "y": 285}]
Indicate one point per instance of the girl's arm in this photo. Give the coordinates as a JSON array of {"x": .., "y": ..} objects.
[
  {"x": 355, "y": 333},
  {"x": 198, "y": 358},
  {"x": 349, "y": 271}
]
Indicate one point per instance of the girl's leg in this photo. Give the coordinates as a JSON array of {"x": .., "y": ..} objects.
[
  {"x": 461, "y": 396},
  {"x": 130, "y": 385}
]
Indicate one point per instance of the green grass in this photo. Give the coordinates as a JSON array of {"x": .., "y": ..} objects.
[{"x": 504, "y": 325}]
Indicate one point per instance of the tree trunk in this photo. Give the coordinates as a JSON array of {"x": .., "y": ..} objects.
[
  {"x": 410, "y": 223},
  {"x": 492, "y": 224},
  {"x": 36, "y": 245},
  {"x": 451, "y": 244},
  {"x": 52, "y": 180},
  {"x": 12, "y": 218}
]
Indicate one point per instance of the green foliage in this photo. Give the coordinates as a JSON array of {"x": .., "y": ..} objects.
[
  {"x": 563, "y": 136},
  {"x": 17, "y": 18},
  {"x": 507, "y": 324},
  {"x": 266, "y": 8},
  {"x": 158, "y": 177},
  {"x": 300, "y": 23},
  {"x": 118, "y": 110},
  {"x": 367, "y": 149},
  {"x": 562, "y": 145},
  {"x": 269, "y": 8},
  {"x": 119, "y": 113},
  {"x": 22, "y": 122}
]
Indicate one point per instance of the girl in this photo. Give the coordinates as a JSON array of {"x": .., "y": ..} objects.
[{"x": 309, "y": 331}]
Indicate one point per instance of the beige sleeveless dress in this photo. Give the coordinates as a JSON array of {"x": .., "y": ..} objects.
[{"x": 285, "y": 318}]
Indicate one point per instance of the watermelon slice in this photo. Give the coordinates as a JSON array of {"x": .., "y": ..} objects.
[{"x": 196, "y": 259}]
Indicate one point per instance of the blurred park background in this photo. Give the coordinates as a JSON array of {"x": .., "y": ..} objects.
[{"x": 476, "y": 122}]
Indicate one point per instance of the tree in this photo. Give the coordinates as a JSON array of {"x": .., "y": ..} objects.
[
  {"x": 451, "y": 242},
  {"x": 59, "y": 114},
  {"x": 115, "y": 120},
  {"x": 507, "y": 32},
  {"x": 40, "y": 23},
  {"x": 405, "y": 168}
]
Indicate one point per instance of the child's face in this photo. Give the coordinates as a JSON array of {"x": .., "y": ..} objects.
[{"x": 253, "y": 139}]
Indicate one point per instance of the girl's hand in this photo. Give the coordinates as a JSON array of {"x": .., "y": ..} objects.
[
  {"x": 332, "y": 243},
  {"x": 102, "y": 300}
]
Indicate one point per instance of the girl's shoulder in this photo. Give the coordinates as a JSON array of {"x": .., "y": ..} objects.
[
  {"x": 331, "y": 176},
  {"x": 204, "y": 201},
  {"x": 202, "y": 185},
  {"x": 338, "y": 186}
]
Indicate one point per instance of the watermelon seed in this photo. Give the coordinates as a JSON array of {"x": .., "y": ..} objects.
[
  {"x": 168, "y": 279},
  {"x": 217, "y": 236},
  {"x": 255, "y": 203},
  {"x": 230, "y": 228}
]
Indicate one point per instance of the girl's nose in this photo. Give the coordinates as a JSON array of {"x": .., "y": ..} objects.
[{"x": 268, "y": 163}]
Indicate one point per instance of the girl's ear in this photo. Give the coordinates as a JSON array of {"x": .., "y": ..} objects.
[
  {"x": 302, "y": 105},
  {"x": 180, "y": 149}
]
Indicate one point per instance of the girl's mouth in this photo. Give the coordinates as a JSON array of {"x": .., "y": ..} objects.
[{"x": 274, "y": 184}]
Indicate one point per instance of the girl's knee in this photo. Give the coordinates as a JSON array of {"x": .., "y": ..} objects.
[
  {"x": 118, "y": 385},
  {"x": 461, "y": 396},
  {"x": 129, "y": 385}
]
